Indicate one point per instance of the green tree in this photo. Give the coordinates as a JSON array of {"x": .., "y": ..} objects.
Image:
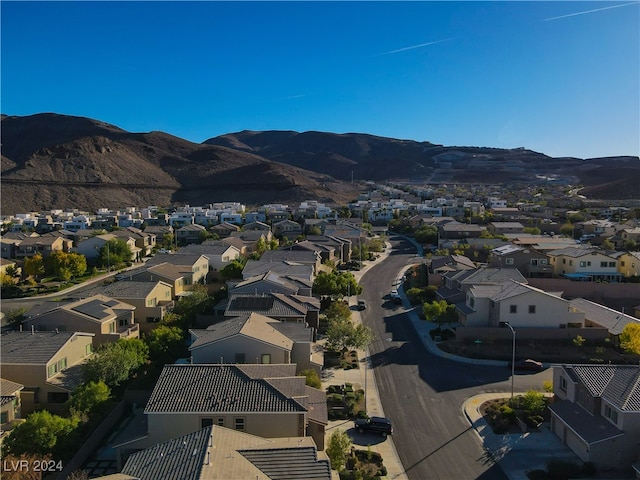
[
  {"x": 608, "y": 245},
  {"x": 567, "y": 229},
  {"x": 343, "y": 334},
  {"x": 114, "y": 363},
  {"x": 630, "y": 338},
  {"x": 114, "y": 253},
  {"x": 65, "y": 265},
  {"x": 427, "y": 234},
  {"x": 198, "y": 303},
  {"x": 34, "y": 266},
  {"x": 629, "y": 245},
  {"x": 6, "y": 281},
  {"x": 439, "y": 311},
  {"x": 233, "y": 269},
  {"x": 312, "y": 378},
  {"x": 336, "y": 284},
  {"x": 86, "y": 398},
  {"x": 338, "y": 449},
  {"x": 532, "y": 230},
  {"x": 166, "y": 343},
  {"x": 39, "y": 434},
  {"x": 337, "y": 310},
  {"x": 314, "y": 230}
]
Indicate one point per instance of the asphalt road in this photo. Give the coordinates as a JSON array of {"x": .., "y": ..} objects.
[{"x": 423, "y": 393}]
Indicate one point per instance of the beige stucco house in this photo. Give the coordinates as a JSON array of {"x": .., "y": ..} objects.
[
  {"x": 596, "y": 413},
  {"x": 9, "y": 404},
  {"x": 106, "y": 318},
  {"x": 584, "y": 264},
  {"x": 48, "y": 364}
]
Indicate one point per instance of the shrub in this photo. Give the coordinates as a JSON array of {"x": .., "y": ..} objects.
[
  {"x": 562, "y": 469},
  {"x": 508, "y": 412}
]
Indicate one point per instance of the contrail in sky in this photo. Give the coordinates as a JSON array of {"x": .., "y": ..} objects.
[
  {"x": 590, "y": 11},
  {"x": 414, "y": 46}
]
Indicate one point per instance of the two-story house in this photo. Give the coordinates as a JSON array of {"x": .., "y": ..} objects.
[
  {"x": 106, "y": 318},
  {"x": 584, "y": 264},
  {"x": 530, "y": 262},
  {"x": 44, "y": 245},
  {"x": 271, "y": 282},
  {"x": 596, "y": 413},
  {"x": 287, "y": 228},
  {"x": 193, "y": 267},
  {"x": 265, "y": 400},
  {"x": 503, "y": 228},
  {"x": 190, "y": 234},
  {"x": 455, "y": 284},
  {"x": 48, "y": 364},
  {"x": 629, "y": 264},
  {"x": 256, "y": 338}
]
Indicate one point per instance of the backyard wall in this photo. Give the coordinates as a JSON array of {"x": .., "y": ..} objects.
[{"x": 497, "y": 333}]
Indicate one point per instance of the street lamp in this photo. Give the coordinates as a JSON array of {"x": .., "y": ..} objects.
[{"x": 513, "y": 356}]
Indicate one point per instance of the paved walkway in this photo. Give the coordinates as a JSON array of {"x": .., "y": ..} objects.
[{"x": 516, "y": 454}]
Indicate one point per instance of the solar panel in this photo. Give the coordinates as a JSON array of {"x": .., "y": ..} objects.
[
  {"x": 252, "y": 303},
  {"x": 94, "y": 308}
]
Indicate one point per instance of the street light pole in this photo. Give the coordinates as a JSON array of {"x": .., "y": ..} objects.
[{"x": 513, "y": 356}]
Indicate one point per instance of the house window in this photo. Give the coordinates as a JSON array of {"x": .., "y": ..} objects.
[
  {"x": 603, "y": 264},
  {"x": 266, "y": 358},
  {"x": 4, "y": 417},
  {"x": 563, "y": 384},
  {"x": 543, "y": 261},
  {"x": 240, "y": 358},
  {"x": 622, "y": 264},
  {"x": 52, "y": 370},
  {"x": 564, "y": 260},
  {"x": 508, "y": 261},
  {"x": 220, "y": 422},
  {"x": 532, "y": 309},
  {"x": 513, "y": 309},
  {"x": 239, "y": 423},
  {"x": 583, "y": 264},
  {"x": 57, "y": 397},
  {"x": 612, "y": 264},
  {"x": 570, "y": 262},
  {"x": 62, "y": 364},
  {"x": 611, "y": 414},
  {"x": 205, "y": 422},
  {"x": 88, "y": 349},
  {"x": 112, "y": 327},
  {"x": 534, "y": 262}
]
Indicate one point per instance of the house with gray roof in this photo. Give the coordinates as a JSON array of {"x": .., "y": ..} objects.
[
  {"x": 265, "y": 400},
  {"x": 152, "y": 300},
  {"x": 254, "y": 268},
  {"x": 455, "y": 284},
  {"x": 48, "y": 364},
  {"x": 219, "y": 254},
  {"x": 599, "y": 316},
  {"x": 530, "y": 262},
  {"x": 271, "y": 282},
  {"x": 283, "y": 307},
  {"x": 219, "y": 453},
  {"x": 301, "y": 257},
  {"x": 106, "y": 318},
  {"x": 255, "y": 338},
  {"x": 596, "y": 413}
]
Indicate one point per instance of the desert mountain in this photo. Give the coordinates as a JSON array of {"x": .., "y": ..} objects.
[
  {"x": 370, "y": 157},
  {"x": 58, "y": 161}
]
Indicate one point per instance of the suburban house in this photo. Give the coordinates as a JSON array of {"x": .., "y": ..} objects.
[
  {"x": 107, "y": 319},
  {"x": 628, "y": 235},
  {"x": 176, "y": 276},
  {"x": 502, "y": 228},
  {"x": 340, "y": 246},
  {"x": 44, "y": 245},
  {"x": 9, "y": 403},
  {"x": 144, "y": 241},
  {"x": 48, "y": 364},
  {"x": 325, "y": 251},
  {"x": 271, "y": 282},
  {"x": 90, "y": 247},
  {"x": 287, "y": 228},
  {"x": 193, "y": 267},
  {"x": 264, "y": 400},
  {"x": 224, "y": 229},
  {"x": 219, "y": 453},
  {"x": 256, "y": 225},
  {"x": 455, "y": 284},
  {"x": 596, "y": 315},
  {"x": 450, "y": 263},
  {"x": 252, "y": 239},
  {"x": 152, "y": 300},
  {"x": 629, "y": 264},
  {"x": 519, "y": 304},
  {"x": 192, "y": 233},
  {"x": 254, "y": 268},
  {"x": 596, "y": 413},
  {"x": 6, "y": 264},
  {"x": 457, "y": 230},
  {"x": 233, "y": 242},
  {"x": 218, "y": 253},
  {"x": 161, "y": 232},
  {"x": 301, "y": 257},
  {"x": 287, "y": 308},
  {"x": 584, "y": 264},
  {"x": 530, "y": 262},
  {"x": 255, "y": 338}
]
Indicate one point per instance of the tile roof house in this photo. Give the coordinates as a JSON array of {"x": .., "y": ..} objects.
[
  {"x": 254, "y": 268},
  {"x": 596, "y": 315},
  {"x": 450, "y": 263},
  {"x": 152, "y": 300},
  {"x": 219, "y": 453},
  {"x": 9, "y": 404},
  {"x": 256, "y": 337},
  {"x": 529, "y": 261},
  {"x": 48, "y": 364},
  {"x": 584, "y": 264},
  {"x": 283, "y": 307},
  {"x": 271, "y": 282},
  {"x": 182, "y": 272},
  {"x": 44, "y": 245},
  {"x": 219, "y": 254},
  {"x": 106, "y": 318},
  {"x": 456, "y": 284},
  {"x": 264, "y": 400},
  {"x": 596, "y": 413},
  {"x": 301, "y": 257}
]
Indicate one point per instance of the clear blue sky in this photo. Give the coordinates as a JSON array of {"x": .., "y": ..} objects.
[{"x": 562, "y": 78}]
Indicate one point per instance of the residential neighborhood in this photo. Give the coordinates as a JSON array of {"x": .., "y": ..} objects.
[{"x": 233, "y": 310}]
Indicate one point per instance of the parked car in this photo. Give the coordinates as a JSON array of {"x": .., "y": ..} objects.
[
  {"x": 529, "y": 365},
  {"x": 395, "y": 296},
  {"x": 379, "y": 425},
  {"x": 362, "y": 305}
]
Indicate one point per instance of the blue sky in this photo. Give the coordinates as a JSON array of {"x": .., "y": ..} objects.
[{"x": 561, "y": 78}]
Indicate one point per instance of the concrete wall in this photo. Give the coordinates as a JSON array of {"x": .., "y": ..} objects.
[
  {"x": 227, "y": 349},
  {"x": 503, "y": 333}
]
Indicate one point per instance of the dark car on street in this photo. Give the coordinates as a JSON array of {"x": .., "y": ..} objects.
[
  {"x": 528, "y": 365},
  {"x": 379, "y": 425}
]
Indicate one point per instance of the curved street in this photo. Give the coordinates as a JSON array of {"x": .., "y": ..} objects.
[{"x": 422, "y": 393}]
